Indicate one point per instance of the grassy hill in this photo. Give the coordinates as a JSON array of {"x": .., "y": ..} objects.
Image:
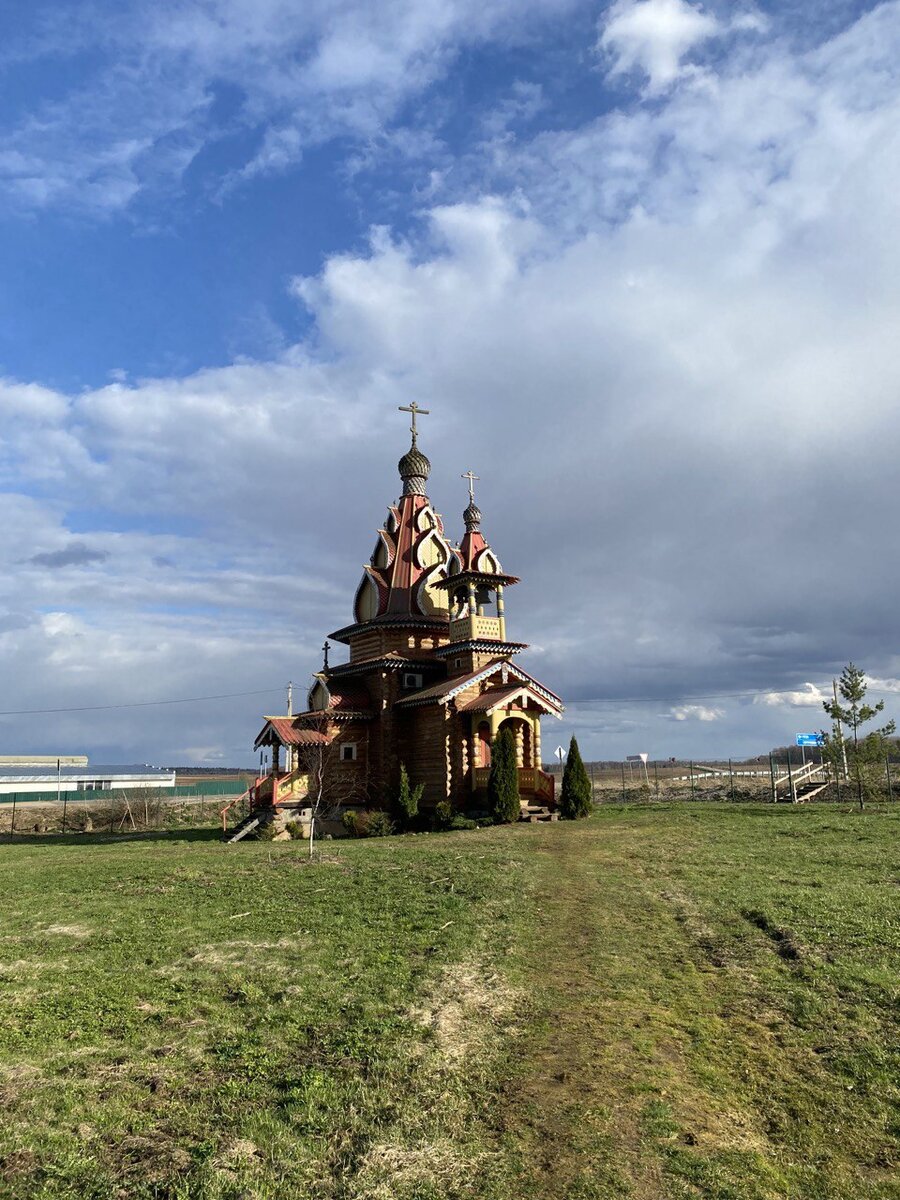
[{"x": 662, "y": 1002}]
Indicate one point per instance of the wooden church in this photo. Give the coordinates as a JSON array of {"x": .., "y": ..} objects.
[{"x": 430, "y": 675}]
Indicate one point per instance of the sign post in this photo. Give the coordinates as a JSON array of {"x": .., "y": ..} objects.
[
  {"x": 807, "y": 739},
  {"x": 641, "y": 758}
]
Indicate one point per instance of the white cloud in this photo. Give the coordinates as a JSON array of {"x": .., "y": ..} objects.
[
  {"x": 305, "y": 73},
  {"x": 676, "y": 391},
  {"x": 654, "y": 36},
  {"x": 811, "y": 696},
  {"x": 695, "y": 712}
]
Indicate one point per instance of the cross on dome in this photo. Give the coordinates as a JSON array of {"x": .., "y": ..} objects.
[
  {"x": 413, "y": 408},
  {"x": 472, "y": 477}
]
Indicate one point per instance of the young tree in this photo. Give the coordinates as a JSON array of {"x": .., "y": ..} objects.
[
  {"x": 576, "y": 794},
  {"x": 864, "y": 754},
  {"x": 503, "y": 781},
  {"x": 408, "y": 797},
  {"x": 327, "y": 789}
]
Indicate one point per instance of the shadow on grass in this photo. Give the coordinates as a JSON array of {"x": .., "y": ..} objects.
[{"x": 105, "y": 838}]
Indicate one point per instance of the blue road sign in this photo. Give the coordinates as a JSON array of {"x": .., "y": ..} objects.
[{"x": 809, "y": 739}]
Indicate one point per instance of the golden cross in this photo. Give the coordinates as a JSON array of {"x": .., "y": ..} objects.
[
  {"x": 471, "y": 476},
  {"x": 415, "y": 410}
]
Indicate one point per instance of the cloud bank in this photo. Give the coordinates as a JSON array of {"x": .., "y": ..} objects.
[{"x": 664, "y": 337}]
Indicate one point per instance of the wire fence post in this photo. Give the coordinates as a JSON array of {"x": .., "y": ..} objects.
[
  {"x": 623, "y": 783},
  {"x": 656, "y": 777},
  {"x": 12, "y": 821},
  {"x": 887, "y": 767},
  {"x": 772, "y": 779},
  {"x": 65, "y": 805},
  {"x": 692, "y": 779},
  {"x": 731, "y": 777}
]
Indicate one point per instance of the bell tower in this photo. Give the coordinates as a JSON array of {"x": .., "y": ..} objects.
[{"x": 475, "y": 584}]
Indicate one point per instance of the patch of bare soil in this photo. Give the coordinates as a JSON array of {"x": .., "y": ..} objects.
[{"x": 467, "y": 1008}]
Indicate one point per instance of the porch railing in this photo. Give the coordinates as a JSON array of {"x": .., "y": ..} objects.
[{"x": 531, "y": 779}]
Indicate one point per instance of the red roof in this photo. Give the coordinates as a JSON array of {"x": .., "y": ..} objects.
[{"x": 288, "y": 734}]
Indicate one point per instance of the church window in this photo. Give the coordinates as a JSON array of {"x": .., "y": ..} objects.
[
  {"x": 412, "y": 681},
  {"x": 348, "y": 751}
]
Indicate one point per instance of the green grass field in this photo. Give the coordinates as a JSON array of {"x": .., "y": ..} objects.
[{"x": 662, "y": 1002}]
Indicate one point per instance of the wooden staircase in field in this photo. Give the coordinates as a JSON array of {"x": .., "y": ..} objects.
[{"x": 795, "y": 787}]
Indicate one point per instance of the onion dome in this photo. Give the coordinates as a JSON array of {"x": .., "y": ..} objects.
[
  {"x": 472, "y": 516},
  {"x": 414, "y": 470}
]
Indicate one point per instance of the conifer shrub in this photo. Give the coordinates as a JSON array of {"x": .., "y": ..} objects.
[
  {"x": 503, "y": 782},
  {"x": 408, "y": 798},
  {"x": 444, "y": 813},
  {"x": 379, "y": 824},
  {"x": 576, "y": 794},
  {"x": 461, "y": 822}
]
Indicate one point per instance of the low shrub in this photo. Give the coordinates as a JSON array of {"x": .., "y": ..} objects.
[
  {"x": 348, "y": 820},
  {"x": 444, "y": 813},
  {"x": 379, "y": 824},
  {"x": 295, "y": 829},
  {"x": 461, "y": 822},
  {"x": 367, "y": 824}
]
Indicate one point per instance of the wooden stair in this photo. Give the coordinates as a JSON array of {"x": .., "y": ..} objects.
[
  {"x": 801, "y": 784},
  {"x": 806, "y": 791},
  {"x": 244, "y": 827},
  {"x": 536, "y": 812}
]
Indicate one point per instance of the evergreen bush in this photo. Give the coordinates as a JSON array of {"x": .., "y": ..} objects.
[
  {"x": 443, "y": 814},
  {"x": 576, "y": 794},
  {"x": 379, "y": 824},
  {"x": 408, "y": 797},
  {"x": 503, "y": 782},
  {"x": 461, "y": 822},
  {"x": 348, "y": 820}
]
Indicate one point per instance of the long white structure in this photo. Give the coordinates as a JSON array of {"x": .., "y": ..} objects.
[{"x": 83, "y": 781}]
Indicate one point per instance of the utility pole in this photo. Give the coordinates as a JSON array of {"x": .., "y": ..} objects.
[{"x": 290, "y": 699}]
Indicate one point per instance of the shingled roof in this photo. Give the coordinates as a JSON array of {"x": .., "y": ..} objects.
[
  {"x": 443, "y": 693},
  {"x": 285, "y": 731}
]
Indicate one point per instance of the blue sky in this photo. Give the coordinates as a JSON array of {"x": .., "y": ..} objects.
[{"x": 647, "y": 249}]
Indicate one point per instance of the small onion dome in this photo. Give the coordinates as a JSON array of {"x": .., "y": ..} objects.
[
  {"x": 472, "y": 516},
  {"x": 414, "y": 470}
]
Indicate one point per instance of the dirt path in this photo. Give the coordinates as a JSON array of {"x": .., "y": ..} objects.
[{"x": 577, "y": 1107}]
